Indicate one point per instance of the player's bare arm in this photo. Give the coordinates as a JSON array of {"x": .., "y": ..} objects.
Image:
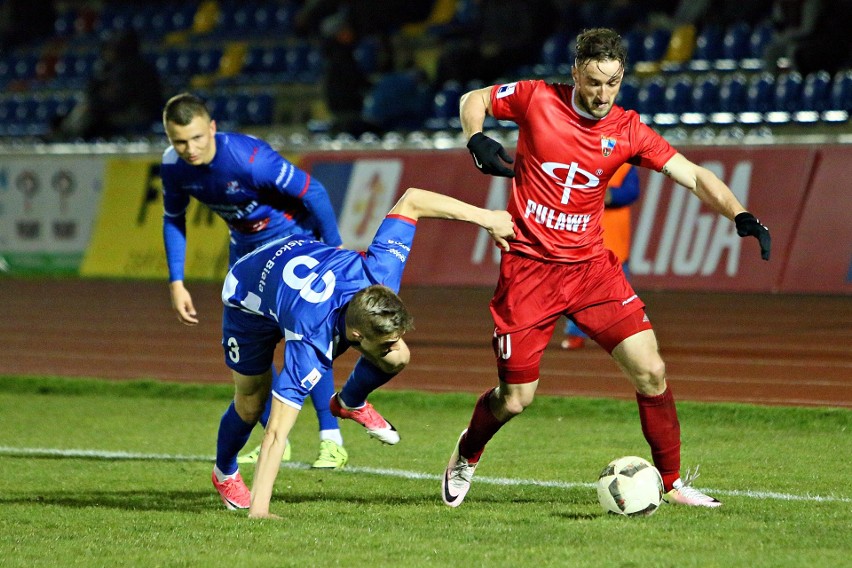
[
  {"x": 489, "y": 156},
  {"x": 416, "y": 203},
  {"x": 473, "y": 107},
  {"x": 704, "y": 184},
  {"x": 713, "y": 191},
  {"x": 182, "y": 303}
]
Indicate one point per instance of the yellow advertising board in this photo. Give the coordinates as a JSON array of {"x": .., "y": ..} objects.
[{"x": 127, "y": 240}]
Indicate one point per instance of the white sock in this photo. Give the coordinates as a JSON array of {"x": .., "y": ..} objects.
[
  {"x": 333, "y": 435},
  {"x": 221, "y": 476}
]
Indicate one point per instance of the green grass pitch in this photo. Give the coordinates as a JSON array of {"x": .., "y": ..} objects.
[{"x": 97, "y": 473}]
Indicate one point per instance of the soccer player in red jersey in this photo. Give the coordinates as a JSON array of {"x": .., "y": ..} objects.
[{"x": 571, "y": 140}]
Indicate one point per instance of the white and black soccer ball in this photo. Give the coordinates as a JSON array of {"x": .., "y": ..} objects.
[{"x": 630, "y": 486}]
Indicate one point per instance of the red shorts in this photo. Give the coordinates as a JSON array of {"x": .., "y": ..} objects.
[{"x": 532, "y": 295}]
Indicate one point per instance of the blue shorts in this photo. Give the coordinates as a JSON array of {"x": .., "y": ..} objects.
[{"x": 249, "y": 341}]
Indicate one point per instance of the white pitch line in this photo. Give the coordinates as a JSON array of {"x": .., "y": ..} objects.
[{"x": 399, "y": 473}]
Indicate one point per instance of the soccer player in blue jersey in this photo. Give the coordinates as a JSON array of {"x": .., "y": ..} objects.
[
  {"x": 322, "y": 300},
  {"x": 262, "y": 197}
]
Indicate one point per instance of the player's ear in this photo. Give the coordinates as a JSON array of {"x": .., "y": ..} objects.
[{"x": 212, "y": 126}]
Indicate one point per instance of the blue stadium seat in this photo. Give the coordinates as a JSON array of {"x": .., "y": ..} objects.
[
  {"x": 760, "y": 93},
  {"x": 632, "y": 41},
  {"x": 816, "y": 90},
  {"x": 678, "y": 94},
  {"x": 260, "y": 109},
  {"x": 445, "y": 103},
  {"x": 760, "y": 36},
  {"x": 629, "y": 93},
  {"x": 304, "y": 62},
  {"x": 733, "y": 89},
  {"x": 651, "y": 97},
  {"x": 705, "y": 95},
  {"x": 166, "y": 62},
  {"x": 186, "y": 62},
  {"x": 841, "y": 91},
  {"x": 708, "y": 44},
  {"x": 655, "y": 44},
  {"x": 207, "y": 60},
  {"x": 788, "y": 92},
  {"x": 366, "y": 54},
  {"x": 63, "y": 25},
  {"x": 735, "y": 44},
  {"x": 555, "y": 51}
]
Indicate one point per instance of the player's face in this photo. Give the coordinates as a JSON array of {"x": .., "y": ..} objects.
[
  {"x": 596, "y": 84},
  {"x": 381, "y": 346},
  {"x": 195, "y": 142}
]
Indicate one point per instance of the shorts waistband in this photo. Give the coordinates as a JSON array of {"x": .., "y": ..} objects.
[{"x": 249, "y": 227}]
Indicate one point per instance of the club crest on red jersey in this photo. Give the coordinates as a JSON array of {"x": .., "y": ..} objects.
[{"x": 607, "y": 145}]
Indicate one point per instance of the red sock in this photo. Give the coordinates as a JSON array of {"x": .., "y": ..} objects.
[
  {"x": 483, "y": 425},
  {"x": 662, "y": 431}
]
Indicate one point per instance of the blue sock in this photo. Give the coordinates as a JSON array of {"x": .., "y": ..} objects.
[
  {"x": 233, "y": 435},
  {"x": 572, "y": 329},
  {"x": 365, "y": 378},
  {"x": 320, "y": 395}
]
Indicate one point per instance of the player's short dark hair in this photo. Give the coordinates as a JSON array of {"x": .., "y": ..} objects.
[
  {"x": 182, "y": 108},
  {"x": 377, "y": 311},
  {"x": 600, "y": 44}
]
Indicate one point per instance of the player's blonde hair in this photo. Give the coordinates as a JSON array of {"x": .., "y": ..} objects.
[
  {"x": 376, "y": 311},
  {"x": 182, "y": 108}
]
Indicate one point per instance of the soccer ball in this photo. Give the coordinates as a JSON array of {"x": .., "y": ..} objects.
[{"x": 630, "y": 486}]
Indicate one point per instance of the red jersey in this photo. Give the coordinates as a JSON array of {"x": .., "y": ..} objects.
[{"x": 563, "y": 163}]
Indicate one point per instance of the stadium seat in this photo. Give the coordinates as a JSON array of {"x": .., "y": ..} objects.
[
  {"x": 816, "y": 90},
  {"x": 788, "y": 92},
  {"x": 632, "y": 41},
  {"x": 260, "y": 109},
  {"x": 654, "y": 44},
  {"x": 705, "y": 95},
  {"x": 207, "y": 60},
  {"x": 445, "y": 103},
  {"x": 735, "y": 44},
  {"x": 841, "y": 91},
  {"x": 555, "y": 52},
  {"x": 678, "y": 94},
  {"x": 651, "y": 96},
  {"x": 760, "y": 36},
  {"x": 760, "y": 93},
  {"x": 304, "y": 62},
  {"x": 708, "y": 47},
  {"x": 629, "y": 93},
  {"x": 367, "y": 54},
  {"x": 732, "y": 93}
]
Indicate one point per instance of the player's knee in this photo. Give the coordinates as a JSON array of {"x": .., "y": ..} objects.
[
  {"x": 249, "y": 407},
  {"x": 651, "y": 380},
  {"x": 514, "y": 402}
]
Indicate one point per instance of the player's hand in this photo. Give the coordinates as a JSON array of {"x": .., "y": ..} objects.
[
  {"x": 501, "y": 228},
  {"x": 748, "y": 225},
  {"x": 489, "y": 155},
  {"x": 182, "y": 303}
]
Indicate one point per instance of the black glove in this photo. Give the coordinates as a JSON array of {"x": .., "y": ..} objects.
[
  {"x": 487, "y": 153},
  {"x": 747, "y": 224}
]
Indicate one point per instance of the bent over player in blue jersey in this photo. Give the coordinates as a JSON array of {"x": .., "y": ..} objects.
[
  {"x": 262, "y": 197},
  {"x": 322, "y": 300}
]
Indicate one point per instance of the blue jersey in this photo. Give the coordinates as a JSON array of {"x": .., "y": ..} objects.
[
  {"x": 297, "y": 289},
  {"x": 259, "y": 194}
]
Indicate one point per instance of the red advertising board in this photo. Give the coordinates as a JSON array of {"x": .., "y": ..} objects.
[
  {"x": 802, "y": 193},
  {"x": 681, "y": 244}
]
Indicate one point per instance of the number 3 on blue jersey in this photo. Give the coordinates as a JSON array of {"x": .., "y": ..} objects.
[{"x": 233, "y": 350}]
